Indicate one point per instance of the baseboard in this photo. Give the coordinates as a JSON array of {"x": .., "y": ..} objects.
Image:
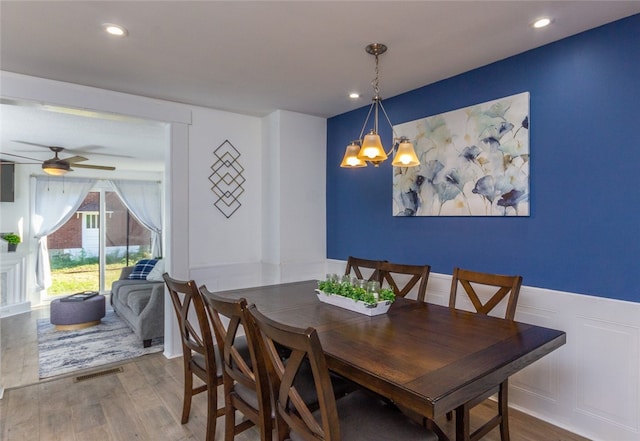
[{"x": 14, "y": 309}]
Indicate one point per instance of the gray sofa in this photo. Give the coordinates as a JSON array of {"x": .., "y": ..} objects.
[{"x": 140, "y": 303}]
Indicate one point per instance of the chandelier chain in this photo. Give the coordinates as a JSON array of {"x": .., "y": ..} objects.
[{"x": 376, "y": 81}]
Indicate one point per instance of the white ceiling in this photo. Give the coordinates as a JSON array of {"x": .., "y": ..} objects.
[
  {"x": 125, "y": 143},
  {"x": 254, "y": 57}
]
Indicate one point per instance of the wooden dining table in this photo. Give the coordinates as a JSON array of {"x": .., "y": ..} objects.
[{"x": 424, "y": 357}]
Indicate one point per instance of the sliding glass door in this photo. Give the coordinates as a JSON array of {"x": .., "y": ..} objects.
[{"x": 89, "y": 251}]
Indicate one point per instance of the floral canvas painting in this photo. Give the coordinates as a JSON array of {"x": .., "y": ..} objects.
[{"x": 473, "y": 162}]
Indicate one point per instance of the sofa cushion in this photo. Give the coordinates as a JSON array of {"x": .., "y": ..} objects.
[
  {"x": 137, "y": 300},
  {"x": 156, "y": 273},
  {"x": 118, "y": 284},
  {"x": 142, "y": 269}
]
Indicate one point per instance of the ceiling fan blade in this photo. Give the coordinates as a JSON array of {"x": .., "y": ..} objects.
[
  {"x": 33, "y": 143},
  {"x": 30, "y": 151},
  {"x": 96, "y": 167},
  {"x": 89, "y": 150},
  {"x": 73, "y": 159},
  {"x": 92, "y": 153},
  {"x": 19, "y": 156},
  {"x": 19, "y": 163}
]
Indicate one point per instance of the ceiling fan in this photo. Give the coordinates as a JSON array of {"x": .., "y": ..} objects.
[{"x": 59, "y": 166}]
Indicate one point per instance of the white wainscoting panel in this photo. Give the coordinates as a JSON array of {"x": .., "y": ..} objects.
[
  {"x": 223, "y": 277},
  {"x": 590, "y": 386},
  {"x": 540, "y": 382},
  {"x": 609, "y": 353}
]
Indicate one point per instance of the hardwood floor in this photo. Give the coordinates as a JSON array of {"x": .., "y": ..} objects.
[
  {"x": 142, "y": 402},
  {"x": 19, "y": 346}
]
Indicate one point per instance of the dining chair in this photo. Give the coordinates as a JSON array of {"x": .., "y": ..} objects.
[
  {"x": 198, "y": 350},
  {"x": 246, "y": 384},
  {"x": 357, "y": 416},
  {"x": 502, "y": 287},
  {"x": 395, "y": 275},
  {"x": 507, "y": 287},
  {"x": 357, "y": 264}
]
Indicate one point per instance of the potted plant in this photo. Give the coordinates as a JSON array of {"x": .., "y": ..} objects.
[
  {"x": 13, "y": 240},
  {"x": 363, "y": 297}
]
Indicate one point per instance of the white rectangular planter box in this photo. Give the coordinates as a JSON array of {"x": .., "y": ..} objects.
[{"x": 354, "y": 305}]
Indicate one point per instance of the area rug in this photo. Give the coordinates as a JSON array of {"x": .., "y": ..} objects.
[{"x": 112, "y": 341}]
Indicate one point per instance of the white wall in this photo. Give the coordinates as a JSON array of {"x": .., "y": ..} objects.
[
  {"x": 302, "y": 175},
  {"x": 294, "y": 206},
  {"x": 285, "y": 239},
  {"x": 271, "y": 187},
  {"x": 14, "y": 215},
  {"x": 214, "y": 239}
]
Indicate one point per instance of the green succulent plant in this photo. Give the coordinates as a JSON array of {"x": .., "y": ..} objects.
[
  {"x": 12, "y": 238},
  {"x": 354, "y": 292}
]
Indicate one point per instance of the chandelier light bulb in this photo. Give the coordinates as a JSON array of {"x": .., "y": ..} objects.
[
  {"x": 370, "y": 152},
  {"x": 406, "y": 155},
  {"x": 372, "y": 149},
  {"x": 350, "y": 159}
]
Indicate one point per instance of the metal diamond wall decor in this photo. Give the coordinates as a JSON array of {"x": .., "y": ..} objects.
[{"x": 227, "y": 179}]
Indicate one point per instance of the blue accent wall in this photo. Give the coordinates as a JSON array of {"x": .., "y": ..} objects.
[{"x": 583, "y": 234}]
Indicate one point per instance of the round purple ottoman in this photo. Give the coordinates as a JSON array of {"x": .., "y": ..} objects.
[{"x": 77, "y": 315}]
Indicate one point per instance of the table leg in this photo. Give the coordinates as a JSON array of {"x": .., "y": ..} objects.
[
  {"x": 462, "y": 424},
  {"x": 503, "y": 404}
]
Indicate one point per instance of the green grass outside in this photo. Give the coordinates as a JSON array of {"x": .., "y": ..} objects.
[
  {"x": 70, "y": 275},
  {"x": 81, "y": 278}
]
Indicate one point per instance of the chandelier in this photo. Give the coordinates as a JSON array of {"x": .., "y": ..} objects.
[{"x": 369, "y": 148}]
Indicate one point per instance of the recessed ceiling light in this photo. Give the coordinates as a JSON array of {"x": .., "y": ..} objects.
[
  {"x": 115, "y": 29},
  {"x": 541, "y": 22},
  {"x": 354, "y": 95}
]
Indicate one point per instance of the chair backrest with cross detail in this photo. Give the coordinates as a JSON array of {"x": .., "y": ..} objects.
[{"x": 507, "y": 287}]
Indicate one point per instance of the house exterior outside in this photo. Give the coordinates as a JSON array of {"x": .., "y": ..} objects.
[{"x": 79, "y": 236}]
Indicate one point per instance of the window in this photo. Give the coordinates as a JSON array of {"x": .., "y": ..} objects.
[{"x": 92, "y": 221}]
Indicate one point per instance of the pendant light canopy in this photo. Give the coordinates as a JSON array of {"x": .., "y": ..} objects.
[{"x": 369, "y": 148}]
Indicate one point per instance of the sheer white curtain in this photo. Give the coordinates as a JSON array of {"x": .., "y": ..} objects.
[
  {"x": 56, "y": 200},
  {"x": 143, "y": 199}
]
